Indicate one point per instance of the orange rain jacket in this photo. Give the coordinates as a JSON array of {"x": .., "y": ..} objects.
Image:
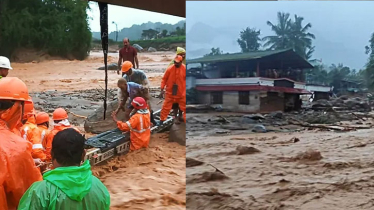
[
  {"x": 30, "y": 132},
  {"x": 17, "y": 168},
  {"x": 43, "y": 133},
  {"x": 47, "y": 144},
  {"x": 139, "y": 126},
  {"x": 174, "y": 75}
]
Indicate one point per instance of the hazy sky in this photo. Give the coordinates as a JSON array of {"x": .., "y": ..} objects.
[
  {"x": 126, "y": 17},
  {"x": 342, "y": 29}
]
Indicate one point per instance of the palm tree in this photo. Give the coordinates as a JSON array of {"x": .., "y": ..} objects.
[
  {"x": 249, "y": 39},
  {"x": 300, "y": 37},
  {"x": 282, "y": 30},
  {"x": 290, "y": 34}
]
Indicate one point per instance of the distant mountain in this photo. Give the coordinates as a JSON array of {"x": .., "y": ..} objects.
[
  {"x": 202, "y": 37},
  {"x": 135, "y": 31}
]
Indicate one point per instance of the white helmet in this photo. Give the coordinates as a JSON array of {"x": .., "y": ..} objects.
[{"x": 5, "y": 63}]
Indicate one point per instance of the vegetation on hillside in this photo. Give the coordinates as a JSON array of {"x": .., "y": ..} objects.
[
  {"x": 135, "y": 31},
  {"x": 159, "y": 44},
  {"x": 58, "y": 27}
]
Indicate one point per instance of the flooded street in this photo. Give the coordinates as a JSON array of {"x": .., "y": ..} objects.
[
  {"x": 152, "y": 178},
  {"x": 308, "y": 169}
]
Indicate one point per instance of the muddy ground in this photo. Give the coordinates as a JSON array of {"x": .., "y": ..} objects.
[
  {"x": 152, "y": 178},
  {"x": 289, "y": 168}
]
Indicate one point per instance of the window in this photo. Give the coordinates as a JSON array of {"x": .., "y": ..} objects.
[
  {"x": 244, "y": 97},
  {"x": 216, "y": 98}
]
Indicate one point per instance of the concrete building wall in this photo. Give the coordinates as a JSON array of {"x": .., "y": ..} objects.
[
  {"x": 190, "y": 82},
  {"x": 230, "y": 101},
  {"x": 271, "y": 102}
]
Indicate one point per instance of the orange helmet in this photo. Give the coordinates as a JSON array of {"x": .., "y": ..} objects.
[
  {"x": 139, "y": 103},
  {"x": 178, "y": 59},
  {"x": 60, "y": 114},
  {"x": 127, "y": 65},
  {"x": 41, "y": 118},
  {"x": 12, "y": 88},
  {"x": 28, "y": 108}
]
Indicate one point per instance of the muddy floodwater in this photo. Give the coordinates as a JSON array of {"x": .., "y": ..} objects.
[
  {"x": 152, "y": 178},
  {"x": 308, "y": 170}
]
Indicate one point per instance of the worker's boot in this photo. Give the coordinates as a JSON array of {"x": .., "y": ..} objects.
[{"x": 153, "y": 121}]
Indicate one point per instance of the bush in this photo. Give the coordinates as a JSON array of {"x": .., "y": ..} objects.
[{"x": 58, "y": 27}]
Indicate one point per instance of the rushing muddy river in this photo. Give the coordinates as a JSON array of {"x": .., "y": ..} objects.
[{"x": 293, "y": 170}]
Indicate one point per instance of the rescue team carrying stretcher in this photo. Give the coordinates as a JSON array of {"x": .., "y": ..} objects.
[{"x": 28, "y": 141}]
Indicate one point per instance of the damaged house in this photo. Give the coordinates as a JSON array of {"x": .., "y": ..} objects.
[{"x": 261, "y": 81}]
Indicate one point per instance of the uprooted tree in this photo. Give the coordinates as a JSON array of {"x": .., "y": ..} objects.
[{"x": 58, "y": 27}]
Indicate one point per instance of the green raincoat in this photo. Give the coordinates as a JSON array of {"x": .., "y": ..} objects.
[
  {"x": 179, "y": 51},
  {"x": 67, "y": 188}
]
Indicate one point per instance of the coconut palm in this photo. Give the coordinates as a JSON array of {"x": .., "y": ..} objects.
[
  {"x": 291, "y": 34},
  {"x": 281, "y": 39}
]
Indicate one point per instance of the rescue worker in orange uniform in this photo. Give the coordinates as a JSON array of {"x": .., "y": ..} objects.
[
  {"x": 17, "y": 168},
  {"x": 139, "y": 124},
  {"x": 30, "y": 132},
  {"x": 174, "y": 81},
  {"x": 42, "y": 121},
  {"x": 61, "y": 122}
]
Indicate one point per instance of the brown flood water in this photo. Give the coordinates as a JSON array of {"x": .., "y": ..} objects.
[
  {"x": 306, "y": 170},
  {"x": 152, "y": 178}
]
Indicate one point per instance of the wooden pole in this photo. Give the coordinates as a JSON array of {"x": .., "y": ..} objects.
[{"x": 104, "y": 41}]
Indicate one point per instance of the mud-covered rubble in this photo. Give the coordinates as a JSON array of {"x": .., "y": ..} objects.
[
  {"x": 343, "y": 103},
  {"x": 280, "y": 122}
]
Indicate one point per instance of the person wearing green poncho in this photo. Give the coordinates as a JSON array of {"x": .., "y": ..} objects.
[
  {"x": 181, "y": 52},
  {"x": 70, "y": 186}
]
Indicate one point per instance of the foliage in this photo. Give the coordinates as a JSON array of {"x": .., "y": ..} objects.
[
  {"x": 333, "y": 75},
  {"x": 290, "y": 34},
  {"x": 369, "y": 71},
  {"x": 249, "y": 39},
  {"x": 149, "y": 34},
  {"x": 156, "y": 43},
  {"x": 58, "y": 27},
  {"x": 215, "y": 51},
  {"x": 135, "y": 31}
]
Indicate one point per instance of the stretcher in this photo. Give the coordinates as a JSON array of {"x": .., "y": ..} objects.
[{"x": 115, "y": 142}]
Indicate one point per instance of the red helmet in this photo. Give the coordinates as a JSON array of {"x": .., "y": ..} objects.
[{"x": 139, "y": 103}]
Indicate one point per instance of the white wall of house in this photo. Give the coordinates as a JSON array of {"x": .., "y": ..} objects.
[{"x": 312, "y": 88}]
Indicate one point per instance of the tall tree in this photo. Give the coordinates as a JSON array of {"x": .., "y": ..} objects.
[
  {"x": 249, "y": 39},
  {"x": 291, "y": 34},
  {"x": 214, "y": 51},
  {"x": 369, "y": 71}
]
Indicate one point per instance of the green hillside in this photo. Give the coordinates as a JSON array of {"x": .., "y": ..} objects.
[{"x": 135, "y": 31}]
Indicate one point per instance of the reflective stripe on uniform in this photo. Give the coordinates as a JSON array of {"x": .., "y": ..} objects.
[
  {"x": 43, "y": 135},
  {"x": 141, "y": 126},
  {"x": 25, "y": 135},
  {"x": 37, "y": 146}
]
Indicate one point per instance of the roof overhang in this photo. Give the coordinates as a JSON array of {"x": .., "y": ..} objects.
[
  {"x": 169, "y": 7},
  {"x": 252, "y": 88},
  {"x": 287, "y": 58}
]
